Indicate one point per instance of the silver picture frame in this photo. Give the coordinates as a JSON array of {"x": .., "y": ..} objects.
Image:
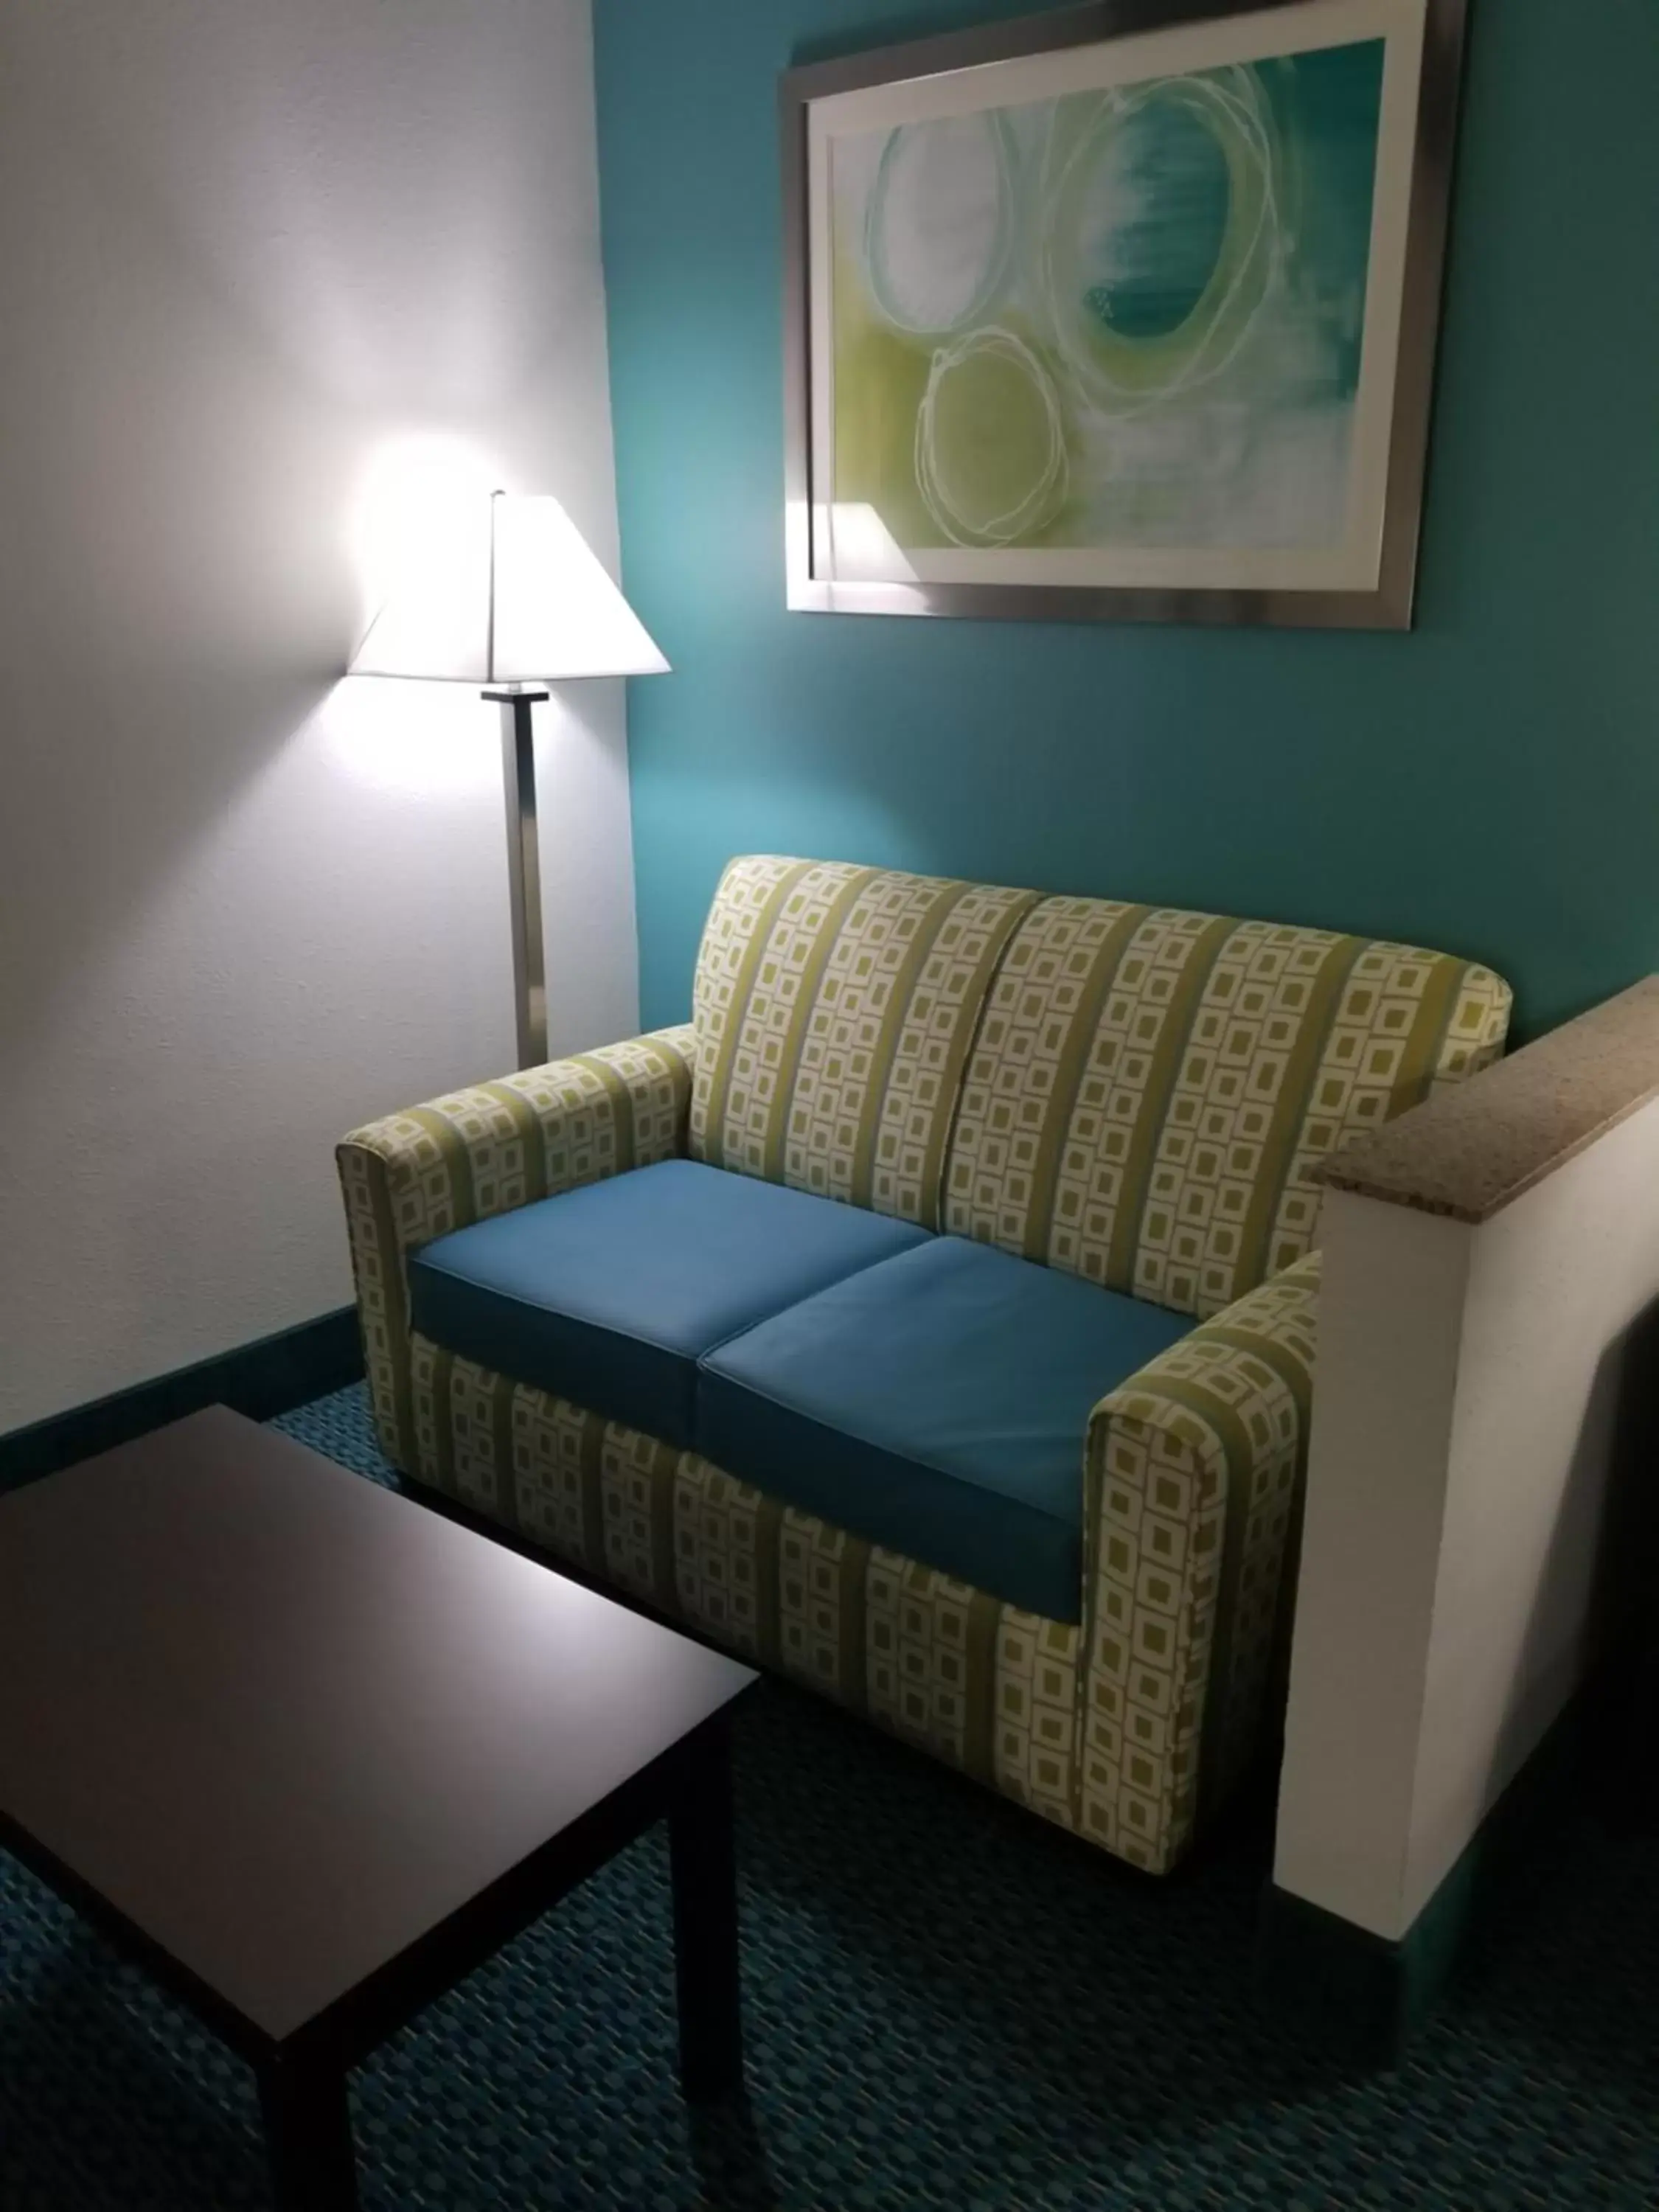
[{"x": 1390, "y": 606}]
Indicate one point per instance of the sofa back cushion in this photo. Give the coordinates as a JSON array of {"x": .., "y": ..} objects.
[
  {"x": 834, "y": 1012},
  {"x": 1150, "y": 1090}
]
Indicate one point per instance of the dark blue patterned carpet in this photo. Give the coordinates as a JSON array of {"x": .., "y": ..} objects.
[{"x": 950, "y": 2006}]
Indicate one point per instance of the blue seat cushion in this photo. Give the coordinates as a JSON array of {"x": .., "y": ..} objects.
[
  {"x": 936, "y": 1404},
  {"x": 610, "y": 1295}
]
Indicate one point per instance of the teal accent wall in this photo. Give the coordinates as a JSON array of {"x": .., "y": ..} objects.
[{"x": 1488, "y": 784}]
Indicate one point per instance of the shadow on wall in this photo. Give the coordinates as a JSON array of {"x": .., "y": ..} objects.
[
  {"x": 1625, "y": 1606},
  {"x": 173, "y": 585},
  {"x": 891, "y": 27},
  {"x": 1594, "y": 1625}
]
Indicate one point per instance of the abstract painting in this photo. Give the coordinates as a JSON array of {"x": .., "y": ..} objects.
[{"x": 1120, "y": 322}]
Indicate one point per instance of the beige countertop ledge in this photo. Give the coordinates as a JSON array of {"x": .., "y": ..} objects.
[{"x": 1471, "y": 1149}]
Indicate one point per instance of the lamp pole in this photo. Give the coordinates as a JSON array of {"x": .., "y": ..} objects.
[{"x": 524, "y": 869}]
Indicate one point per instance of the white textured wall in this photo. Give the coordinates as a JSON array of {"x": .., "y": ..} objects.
[
  {"x": 244, "y": 245},
  {"x": 1468, "y": 1385}
]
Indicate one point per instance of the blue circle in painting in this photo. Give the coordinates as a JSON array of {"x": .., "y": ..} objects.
[{"x": 1154, "y": 221}]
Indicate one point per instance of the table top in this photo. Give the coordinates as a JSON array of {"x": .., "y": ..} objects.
[{"x": 285, "y": 1722}]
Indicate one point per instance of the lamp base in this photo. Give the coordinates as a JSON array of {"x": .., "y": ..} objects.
[{"x": 524, "y": 869}]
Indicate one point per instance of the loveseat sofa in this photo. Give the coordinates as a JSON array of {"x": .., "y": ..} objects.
[{"x": 932, "y": 1317}]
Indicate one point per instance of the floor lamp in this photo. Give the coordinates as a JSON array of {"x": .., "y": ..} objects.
[{"x": 511, "y": 599}]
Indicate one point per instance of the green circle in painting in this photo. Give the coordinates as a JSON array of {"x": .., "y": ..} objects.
[{"x": 990, "y": 441}]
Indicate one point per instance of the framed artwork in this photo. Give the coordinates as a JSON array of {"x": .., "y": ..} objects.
[{"x": 1126, "y": 312}]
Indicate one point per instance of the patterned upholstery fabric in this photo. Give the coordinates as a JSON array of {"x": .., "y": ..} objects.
[
  {"x": 1190, "y": 1492},
  {"x": 417, "y": 1175},
  {"x": 1150, "y": 1089},
  {"x": 1191, "y": 1479},
  {"x": 834, "y": 1008},
  {"x": 991, "y": 1690},
  {"x": 1136, "y": 1096}
]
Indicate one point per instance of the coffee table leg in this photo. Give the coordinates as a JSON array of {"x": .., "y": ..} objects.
[
  {"x": 705, "y": 1878},
  {"x": 308, "y": 2136}
]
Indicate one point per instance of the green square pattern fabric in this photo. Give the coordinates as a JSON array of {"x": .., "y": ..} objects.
[
  {"x": 1150, "y": 1090},
  {"x": 936, "y": 1405},
  {"x": 609, "y": 1294},
  {"x": 834, "y": 1010}
]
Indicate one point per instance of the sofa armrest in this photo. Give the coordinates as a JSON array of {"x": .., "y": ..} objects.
[
  {"x": 417, "y": 1175},
  {"x": 1192, "y": 1497}
]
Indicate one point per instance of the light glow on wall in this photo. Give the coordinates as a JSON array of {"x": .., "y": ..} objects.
[
  {"x": 420, "y": 492},
  {"x": 424, "y": 740}
]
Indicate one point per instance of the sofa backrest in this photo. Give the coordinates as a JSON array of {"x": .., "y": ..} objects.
[
  {"x": 1135, "y": 1094},
  {"x": 1150, "y": 1090},
  {"x": 835, "y": 1010}
]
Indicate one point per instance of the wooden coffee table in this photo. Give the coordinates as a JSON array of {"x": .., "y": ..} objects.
[{"x": 313, "y": 1752}]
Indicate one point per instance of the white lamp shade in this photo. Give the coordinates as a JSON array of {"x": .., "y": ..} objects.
[{"x": 505, "y": 590}]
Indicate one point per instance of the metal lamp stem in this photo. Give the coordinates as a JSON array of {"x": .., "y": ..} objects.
[{"x": 523, "y": 870}]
